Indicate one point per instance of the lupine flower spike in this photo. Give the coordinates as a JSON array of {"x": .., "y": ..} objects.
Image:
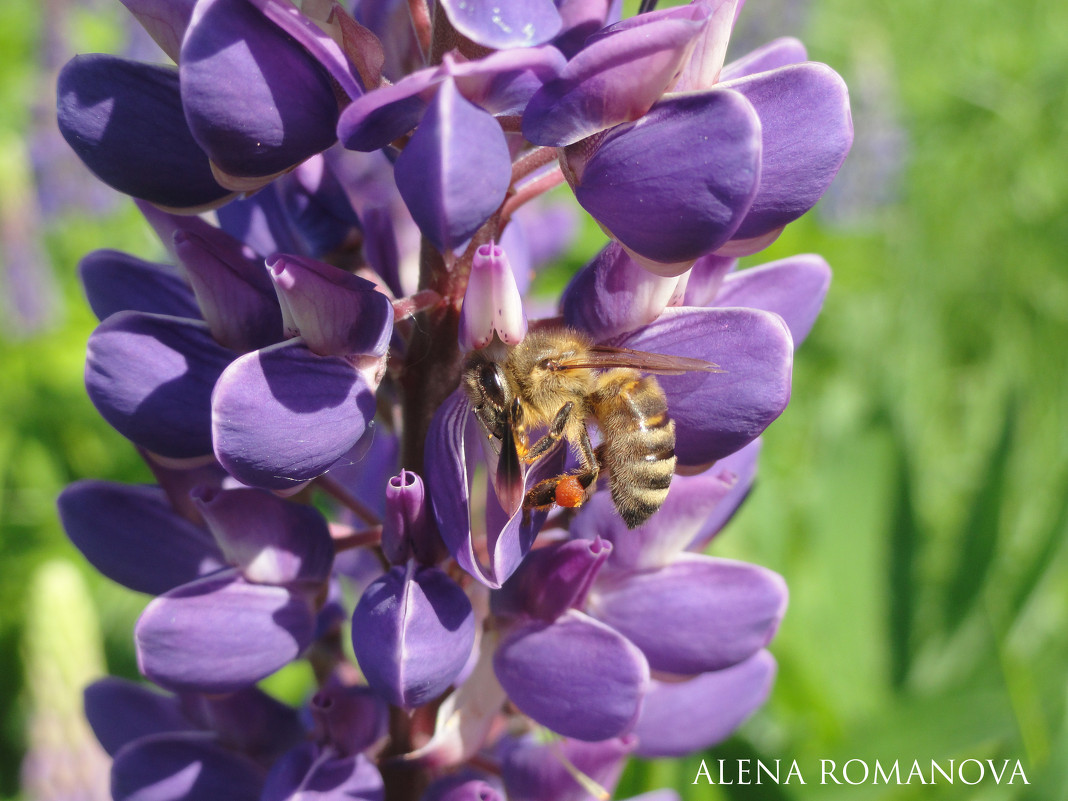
[{"x": 364, "y": 426}]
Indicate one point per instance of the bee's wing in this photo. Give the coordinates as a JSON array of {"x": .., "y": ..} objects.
[{"x": 601, "y": 357}]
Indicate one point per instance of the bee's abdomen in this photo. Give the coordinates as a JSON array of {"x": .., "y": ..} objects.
[{"x": 638, "y": 443}]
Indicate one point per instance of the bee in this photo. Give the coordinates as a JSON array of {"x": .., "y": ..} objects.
[{"x": 559, "y": 380}]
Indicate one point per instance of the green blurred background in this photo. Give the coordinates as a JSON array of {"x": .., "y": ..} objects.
[{"x": 914, "y": 494}]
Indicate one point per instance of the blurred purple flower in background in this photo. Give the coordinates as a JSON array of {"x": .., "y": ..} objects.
[{"x": 348, "y": 250}]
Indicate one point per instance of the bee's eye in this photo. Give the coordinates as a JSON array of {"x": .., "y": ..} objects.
[{"x": 493, "y": 385}]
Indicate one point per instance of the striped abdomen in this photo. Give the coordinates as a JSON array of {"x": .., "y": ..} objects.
[{"x": 638, "y": 442}]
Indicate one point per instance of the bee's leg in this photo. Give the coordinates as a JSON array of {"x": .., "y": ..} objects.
[
  {"x": 548, "y": 491},
  {"x": 552, "y": 436}
]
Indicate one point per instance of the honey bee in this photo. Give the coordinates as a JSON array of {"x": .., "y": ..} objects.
[{"x": 559, "y": 379}]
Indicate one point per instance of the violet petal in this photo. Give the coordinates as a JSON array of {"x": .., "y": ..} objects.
[
  {"x": 696, "y": 614},
  {"x": 776, "y": 53},
  {"x": 613, "y": 295},
  {"x": 117, "y": 282},
  {"x": 307, "y": 774},
  {"x": 576, "y": 676},
  {"x": 124, "y": 119},
  {"x": 408, "y": 527},
  {"x": 350, "y": 719},
  {"x": 456, "y": 169},
  {"x": 270, "y": 540},
  {"x": 677, "y": 183},
  {"x": 219, "y": 634},
  {"x": 500, "y": 26},
  {"x": 375, "y": 119},
  {"x": 133, "y": 536},
  {"x": 249, "y": 721},
  {"x": 151, "y": 377},
  {"x": 447, "y": 481},
  {"x": 283, "y": 415},
  {"x": 690, "y": 502},
  {"x": 229, "y": 288},
  {"x": 282, "y": 109},
  {"x": 736, "y": 472},
  {"x": 679, "y": 718},
  {"x": 164, "y": 20},
  {"x": 705, "y": 278},
  {"x": 615, "y": 78},
  {"x": 461, "y": 788},
  {"x": 537, "y": 771},
  {"x": 793, "y": 288},
  {"x": 261, "y": 222},
  {"x": 717, "y": 413},
  {"x": 807, "y": 131},
  {"x": 412, "y": 632},
  {"x": 335, "y": 312},
  {"x": 121, "y": 711},
  {"x": 552, "y": 579},
  {"x": 182, "y": 767}
]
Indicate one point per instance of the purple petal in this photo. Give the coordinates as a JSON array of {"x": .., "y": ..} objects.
[
  {"x": 617, "y": 77},
  {"x": 718, "y": 413},
  {"x": 409, "y": 527},
  {"x": 412, "y": 631},
  {"x": 134, "y": 537},
  {"x": 690, "y": 502},
  {"x": 270, "y": 540},
  {"x": 249, "y": 721},
  {"x": 124, "y": 119},
  {"x": 120, "y": 711},
  {"x": 220, "y": 634},
  {"x": 316, "y": 41},
  {"x": 793, "y": 288},
  {"x": 500, "y": 26},
  {"x": 613, "y": 295},
  {"x": 307, "y": 774},
  {"x": 335, "y": 312},
  {"x": 178, "y": 480},
  {"x": 350, "y": 719},
  {"x": 582, "y": 19},
  {"x": 777, "y": 53},
  {"x": 461, "y": 788},
  {"x": 705, "y": 278},
  {"x": 261, "y": 222},
  {"x": 576, "y": 676},
  {"x": 375, "y": 119},
  {"x": 456, "y": 169},
  {"x": 232, "y": 289},
  {"x": 164, "y": 20},
  {"x": 503, "y": 82},
  {"x": 318, "y": 205},
  {"x": 682, "y": 717},
  {"x": 695, "y": 614},
  {"x": 552, "y": 579},
  {"x": 704, "y": 66},
  {"x": 117, "y": 282},
  {"x": 283, "y": 415},
  {"x": 256, "y": 101},
  {"x": 537, "y": 771},
  {"x": 189, "y": 767},
  {"x": 677, "y": 183},
  {"x": 736, "y": 472},
  {"x": 807, "y": 132},
  {"x": 509, "y": 537},
  {"x": 151, "y": 377}
]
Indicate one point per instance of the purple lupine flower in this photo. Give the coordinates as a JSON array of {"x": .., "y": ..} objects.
[{"x": 294, "y": 384}]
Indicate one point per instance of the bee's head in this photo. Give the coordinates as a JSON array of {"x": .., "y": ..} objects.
[{"x": 487, "y": 388}]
